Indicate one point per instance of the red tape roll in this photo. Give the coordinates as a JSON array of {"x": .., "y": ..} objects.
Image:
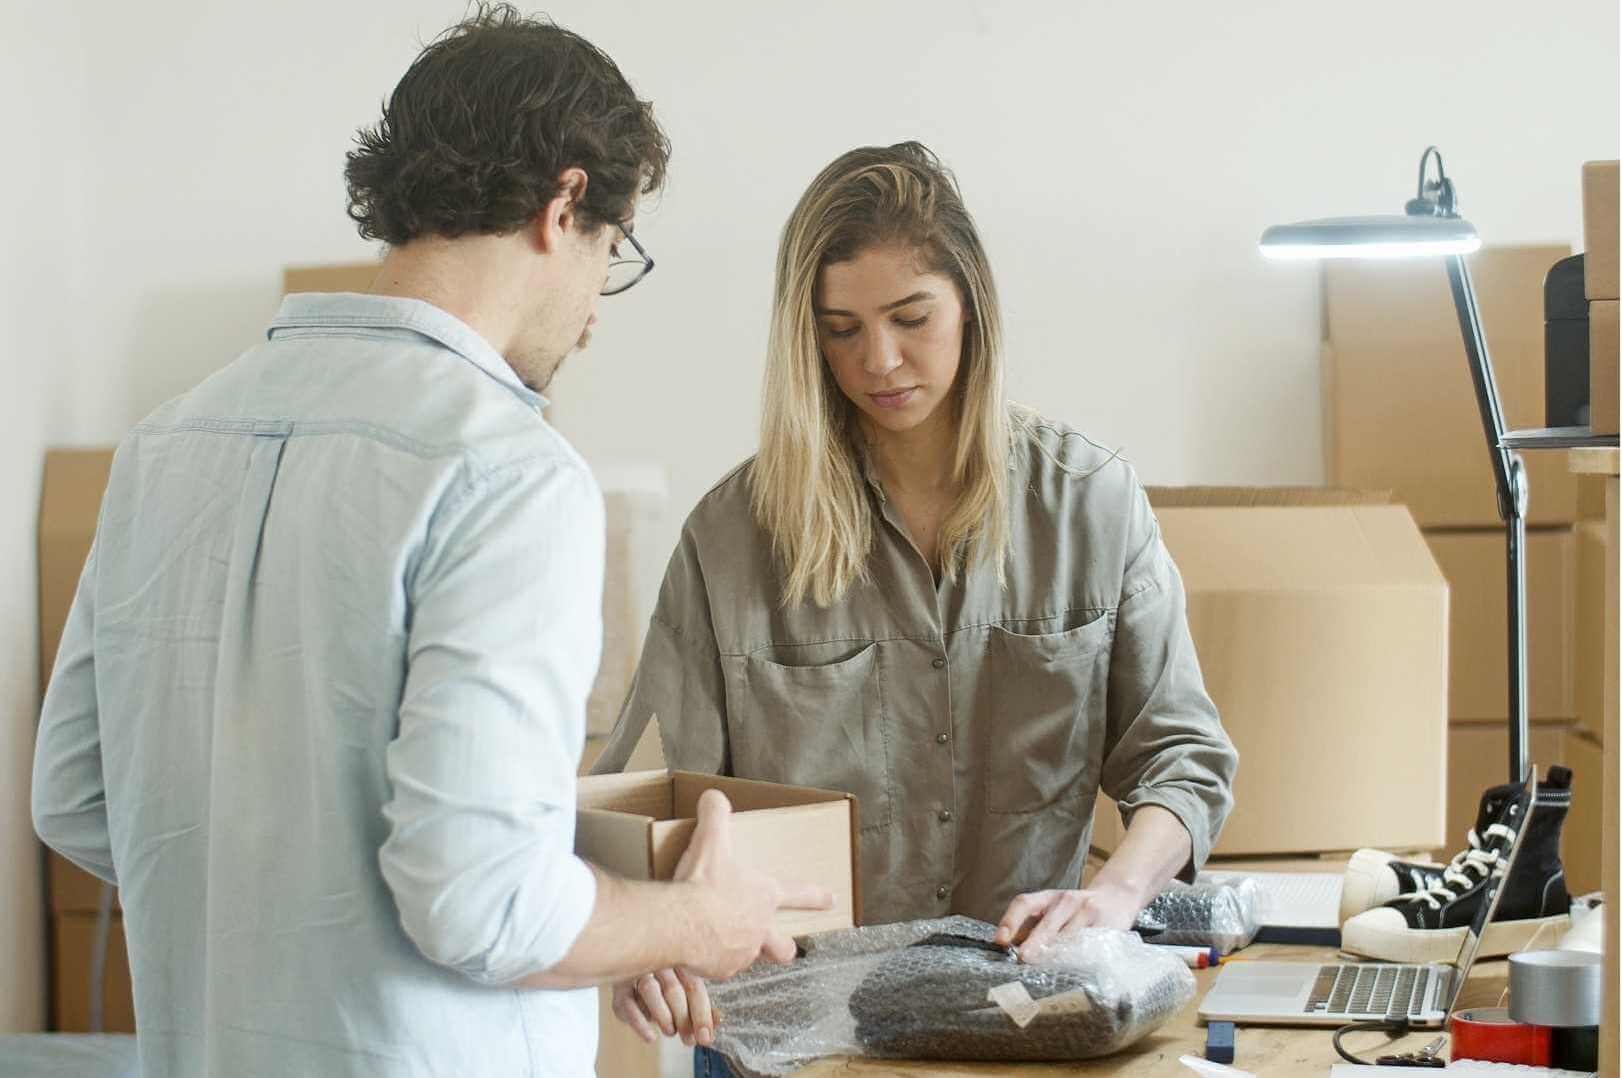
[{"x": 1492, "y": 1036}]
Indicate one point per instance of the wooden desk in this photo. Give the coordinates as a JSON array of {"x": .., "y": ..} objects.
[{"x": 1273, "y": 1051}]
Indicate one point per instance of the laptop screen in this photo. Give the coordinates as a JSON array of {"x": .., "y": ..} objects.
[{"x": 1516, "y": 819}]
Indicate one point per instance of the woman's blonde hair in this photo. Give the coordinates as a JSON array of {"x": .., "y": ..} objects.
[{"x": 808, "y": 478}]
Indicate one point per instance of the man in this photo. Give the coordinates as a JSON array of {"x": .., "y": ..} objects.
[{"x": 320, "y": 700}]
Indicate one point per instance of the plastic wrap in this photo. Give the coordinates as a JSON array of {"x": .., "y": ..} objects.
[
  {"x": 1221, "y": 915},
  {"x": 926, "y": 990}
]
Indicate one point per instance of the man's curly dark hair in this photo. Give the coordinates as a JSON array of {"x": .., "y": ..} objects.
[{"x": 476, "y": 134}]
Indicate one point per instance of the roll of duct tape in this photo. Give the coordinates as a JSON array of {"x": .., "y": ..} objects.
[
  {"x": 1492, "y": 1036},
  {"x": 1556, "y": 988}
]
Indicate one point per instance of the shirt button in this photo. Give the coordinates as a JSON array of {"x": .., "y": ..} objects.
[
  {"x": 938, "y": 663},
  {"x": 941, "y": 892},
  {"x": 945, "y": 815},
  {"x": 941, "y": 739}
]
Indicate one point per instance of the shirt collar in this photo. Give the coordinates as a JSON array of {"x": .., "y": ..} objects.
[{"x": 334, "y": 310}]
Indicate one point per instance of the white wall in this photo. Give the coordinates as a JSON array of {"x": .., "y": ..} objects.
[{"x": 1121, "y": 160}]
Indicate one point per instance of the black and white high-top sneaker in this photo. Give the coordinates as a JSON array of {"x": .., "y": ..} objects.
[
  {"x": 1429, "y": 925},
  {"x": 1374, "y": 877}
]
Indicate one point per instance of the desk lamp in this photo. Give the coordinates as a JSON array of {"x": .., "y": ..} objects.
[{"x": 1430, "y": 226}]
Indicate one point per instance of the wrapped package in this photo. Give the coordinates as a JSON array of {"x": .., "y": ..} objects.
[
  {"x": 1221, "y": 915},
  {"x": 941, "y": 989}
]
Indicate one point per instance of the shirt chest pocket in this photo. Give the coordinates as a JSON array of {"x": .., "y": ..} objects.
[
  {"x": 813, "y": 726},
  {"x": 1043, "y": 745}
]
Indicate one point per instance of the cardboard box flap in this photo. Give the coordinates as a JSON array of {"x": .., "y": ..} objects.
[
  {"x": 639, "y": 793},
  {"x": 1328, "y": 549},
  {"x": 617, "y": 841},
  {"x": 746, "y": 795},
  {"x": 1242, "y": 497}
]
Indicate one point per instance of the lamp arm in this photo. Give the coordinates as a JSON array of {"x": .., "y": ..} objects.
[{"x": 1510, "y": 478}]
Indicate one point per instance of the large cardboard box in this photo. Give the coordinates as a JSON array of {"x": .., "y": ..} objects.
[
  {"x": 73, "y": 946},
  {"x": 339, "y": 277},
  {"x": 1478, "y": 758},
  {"x": 1588, "y": 686},
  {"x": 1399, "y": 404},
  {"x": 1478, "y": 678},
  {"x": 1600, "y": 277},
  {"x": 70, "y": 502},
  {"x": 1581, "y": 846},
  {"x": 1322, "y": 634},
  {"x": 637, "y": 825},
  {"x": 1603, "y": 337}
]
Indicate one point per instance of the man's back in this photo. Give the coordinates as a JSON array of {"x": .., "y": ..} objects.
[{"x": 334, "y": 643}]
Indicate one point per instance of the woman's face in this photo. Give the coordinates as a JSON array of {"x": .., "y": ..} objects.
[{"x": 891, "y": 333}]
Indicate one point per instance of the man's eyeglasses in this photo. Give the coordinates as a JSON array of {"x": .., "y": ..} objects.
[{"x": 623, "y": 271}]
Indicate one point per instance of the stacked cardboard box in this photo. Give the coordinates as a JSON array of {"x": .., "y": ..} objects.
[
  {"x": 1601, "y": 286},
  {"x": 1320, "y": 621},
  {"x": 1401, "y": 413},
  {"x": 69, "y": 502}
]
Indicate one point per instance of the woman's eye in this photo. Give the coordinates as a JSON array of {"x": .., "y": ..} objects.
[
  {"x": 841, "y": 334},
  {"x": 912, "y": 323}
]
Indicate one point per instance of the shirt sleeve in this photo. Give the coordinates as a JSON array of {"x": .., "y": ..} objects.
[
  {"x": 678, "y": 680},
  {"x": 504, "y": 640},
  {"x": 1165, "y": 743},
  {"x": 69, "y": 798}
]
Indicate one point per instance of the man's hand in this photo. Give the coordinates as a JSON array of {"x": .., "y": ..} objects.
[
  {"x": 672, "y": 1002},
  {"x": 1035, "y": 920},
  {"x": 737, "y": 906}
]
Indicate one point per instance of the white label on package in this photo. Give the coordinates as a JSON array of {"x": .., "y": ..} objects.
[
  {"x": 1015, "y": 1002},
  {"x": 1066, "y": 1003}
]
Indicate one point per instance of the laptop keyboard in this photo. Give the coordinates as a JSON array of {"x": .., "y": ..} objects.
[{"x": 1368, "y": 991}]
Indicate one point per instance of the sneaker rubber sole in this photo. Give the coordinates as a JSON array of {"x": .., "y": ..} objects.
[{"x": 1382, "y": 933}]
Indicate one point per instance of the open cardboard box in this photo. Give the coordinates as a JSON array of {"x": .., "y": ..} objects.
[{"x": 638, "y": 824}]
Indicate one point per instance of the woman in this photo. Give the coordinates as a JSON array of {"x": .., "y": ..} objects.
[{"x": 960, "y": 612}]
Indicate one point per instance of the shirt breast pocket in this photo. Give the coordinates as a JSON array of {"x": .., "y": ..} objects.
[
  {"x": 1046, "y": 691},
  {"x": 813, "y": 726}
]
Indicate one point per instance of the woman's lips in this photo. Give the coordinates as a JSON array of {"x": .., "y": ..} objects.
[{"x": 895, "y": 398}]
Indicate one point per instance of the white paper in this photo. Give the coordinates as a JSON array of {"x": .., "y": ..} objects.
[{"x": 1015, "y": 1002}]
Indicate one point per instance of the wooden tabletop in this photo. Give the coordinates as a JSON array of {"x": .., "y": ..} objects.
[{"x": 1271, "y": 1051}]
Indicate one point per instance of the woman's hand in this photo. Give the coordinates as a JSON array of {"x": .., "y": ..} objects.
[
  {"x": 1035, "y": 920},
  {"x": 671, "y": 1001}
]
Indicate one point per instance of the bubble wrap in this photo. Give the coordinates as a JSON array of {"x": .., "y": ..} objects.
[
  {"x": 1220, "y": 915},
  {"x": 902, "y": 992}
]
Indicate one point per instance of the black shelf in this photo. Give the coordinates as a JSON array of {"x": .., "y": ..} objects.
[{"x": 1557, "y": 438}]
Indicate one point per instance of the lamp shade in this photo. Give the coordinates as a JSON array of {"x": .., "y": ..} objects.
[{"x": 1388, "y": 236}]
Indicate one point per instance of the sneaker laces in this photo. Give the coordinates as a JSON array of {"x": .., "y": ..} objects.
[{"x": 1475, "y": 860}]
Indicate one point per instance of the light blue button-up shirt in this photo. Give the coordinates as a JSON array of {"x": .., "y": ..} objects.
[{"x": 319, "y": 705}]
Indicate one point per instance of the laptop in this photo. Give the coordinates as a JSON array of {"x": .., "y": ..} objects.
[{"x": 1333, "y": 994}]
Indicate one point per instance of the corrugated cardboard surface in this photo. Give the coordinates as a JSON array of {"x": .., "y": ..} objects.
[
  {"x": 638, "y": 824},
  {"x": 1478, "y": 681},
  {"x": 73, "y": 890},
  {"x": 1478, "y": 758},
  {"x": 1589, "y": 659},
  {"x": 69, "y": 503},
  {"x": 1602, "y": 365},
  {"x": 1322, "y": 634},
  {"x": 342, "y": 277},
  {"x": 1580, "y": 847},
  {"x": 1600, "y": 277},
  {"x": 1400, "y": 406},
  {"x": 74, "y": 937}
]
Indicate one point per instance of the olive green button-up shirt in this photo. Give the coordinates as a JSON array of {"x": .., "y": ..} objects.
[{"x": 975, "y": 723}]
